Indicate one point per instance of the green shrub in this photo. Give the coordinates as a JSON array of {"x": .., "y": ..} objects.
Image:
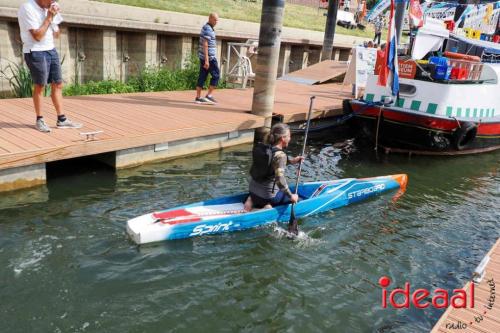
[
  {"x": 19, "y": 79},
  {"x": 149, "y": 79},
  {"x": 98, "y": 88},
  {"x": 162, "y": 79}
]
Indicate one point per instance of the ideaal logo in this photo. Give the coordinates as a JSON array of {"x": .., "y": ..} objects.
[{"x": 440, "y": 298}]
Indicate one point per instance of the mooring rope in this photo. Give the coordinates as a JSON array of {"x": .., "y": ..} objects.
[{"x": 378, "y": 126}]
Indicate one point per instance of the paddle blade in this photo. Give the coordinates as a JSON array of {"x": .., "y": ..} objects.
[{"x": 293, "y": 224}]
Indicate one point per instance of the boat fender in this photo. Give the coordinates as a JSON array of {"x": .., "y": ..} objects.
[
  {"x": 464, "y": 135},
  {"x": 439, "y": 141},
  {"x": 454, "y": 55}
]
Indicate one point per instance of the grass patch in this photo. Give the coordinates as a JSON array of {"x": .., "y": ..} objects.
[{"x": 296, "y": 16}]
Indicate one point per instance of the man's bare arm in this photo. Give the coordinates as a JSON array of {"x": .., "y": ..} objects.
[
  {"x": 205, "y": 50},
  {"x": 39, "y": 33}
]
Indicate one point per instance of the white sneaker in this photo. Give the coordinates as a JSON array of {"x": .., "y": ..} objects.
[
  {"x": 211, "y": 99},
  {"x": 42, "y": 126},
  {"x": 202, "y": 100},
  {"x": 68, "y": 124}
]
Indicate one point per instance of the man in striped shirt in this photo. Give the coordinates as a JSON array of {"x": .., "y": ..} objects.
[
  {"x": 207, "y": 52},
  {"x": 378, "y": 24}
]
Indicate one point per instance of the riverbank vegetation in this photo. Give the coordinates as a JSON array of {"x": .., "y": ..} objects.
[{"x": 149, "y": 79}]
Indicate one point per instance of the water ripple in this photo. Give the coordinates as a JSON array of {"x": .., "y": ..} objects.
[{"x": 68, "y": 265}]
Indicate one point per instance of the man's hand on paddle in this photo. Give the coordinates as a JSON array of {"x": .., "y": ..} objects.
[
  {"x": 296, "y": 159},
  {"x": 294, "y": 198}
]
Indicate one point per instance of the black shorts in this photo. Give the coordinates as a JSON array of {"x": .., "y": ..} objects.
[{"x": 280, "y": 199}]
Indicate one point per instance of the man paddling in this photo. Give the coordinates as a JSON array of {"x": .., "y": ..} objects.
[{"x": 268, "y": 186}]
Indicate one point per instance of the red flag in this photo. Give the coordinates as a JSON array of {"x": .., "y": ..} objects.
[
  {"x": 384, "y": 70},
  {"x": 416, "y": 15},
  {"x": 363, "y": 11},
  {"x": 390, "y": 70}
]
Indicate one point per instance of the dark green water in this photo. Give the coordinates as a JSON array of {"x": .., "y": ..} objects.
[{"x": 67, "y": 265}]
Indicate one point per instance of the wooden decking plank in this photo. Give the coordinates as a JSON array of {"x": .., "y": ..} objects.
[
  {"x": 101, "y": 146},
  {"x": 133, "y": 120},
  {"x": 121, "y": 120},
  {"x": 160, "y": 117},
  {"x": 165, "y": 113},
  {"x": 99, "y": 112},
  {"x": 190, "y": 115},
  {"x": 320, "y": 72},
  {"x": 3, "y": 150},
  {"x": 148, "y": 114},
  {"x": 109, "y": 121},
  {"x": 95, "y": 112},
  {"x": 89, "y": 121},
  {"x": 12, "y": 134},
  {"x": 46, "y": 138},
  {"x": 11, "y": 147},
  {"x": 490, "y": 318},
  {"x": 57, "y": 136}
]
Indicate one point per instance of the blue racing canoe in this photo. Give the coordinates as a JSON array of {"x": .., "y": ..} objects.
[{"x": 226, "y": 214}]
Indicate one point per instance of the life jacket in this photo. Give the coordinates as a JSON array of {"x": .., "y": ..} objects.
[{"x": 262, "y": 169}]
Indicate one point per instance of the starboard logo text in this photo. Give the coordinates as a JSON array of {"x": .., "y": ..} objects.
[
  {"x": 365, "y": 191},
  {"x": 208, "y": 229},
  {"x": 440, "y": 298}
]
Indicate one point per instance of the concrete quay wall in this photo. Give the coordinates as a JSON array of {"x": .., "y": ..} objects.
[{"x": 107, "y": 41}]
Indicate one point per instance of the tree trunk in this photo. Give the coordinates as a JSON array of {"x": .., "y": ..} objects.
[
  {"x": 331, "y": 23},
  {"x": 399, "y": 14},
  {"x": 267, "y": 63}
]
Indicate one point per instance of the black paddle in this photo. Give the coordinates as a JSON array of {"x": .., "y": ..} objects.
[{"x": 293, "y": 223}]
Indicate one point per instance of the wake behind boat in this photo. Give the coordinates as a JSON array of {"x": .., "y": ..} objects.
[{"x": 226, "y": 214}]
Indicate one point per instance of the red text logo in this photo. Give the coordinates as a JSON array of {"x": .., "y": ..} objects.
[{"x": 440, "y": 298}]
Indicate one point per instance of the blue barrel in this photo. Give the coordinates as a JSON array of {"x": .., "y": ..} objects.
[{"x": 442, "y": 68}]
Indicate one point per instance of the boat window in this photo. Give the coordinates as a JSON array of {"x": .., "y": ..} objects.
[{"x": 407, "y": 89}]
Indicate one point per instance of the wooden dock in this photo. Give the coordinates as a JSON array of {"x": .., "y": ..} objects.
[
  {"x": 143, "y": 126},
  {"x": 322, "y": 72},
  {"x": 485, "y": 316}
]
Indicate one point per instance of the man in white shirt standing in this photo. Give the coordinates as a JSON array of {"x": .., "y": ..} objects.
[{"x": 38, "y": 22}]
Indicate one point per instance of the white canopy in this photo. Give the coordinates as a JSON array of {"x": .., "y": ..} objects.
[{"x": 429, "y": 38}]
